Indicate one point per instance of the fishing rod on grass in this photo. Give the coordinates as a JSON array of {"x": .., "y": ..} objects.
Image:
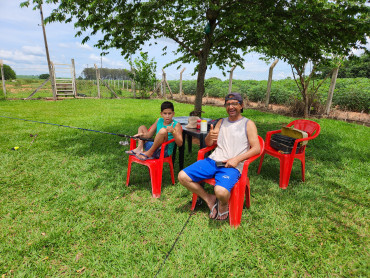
[{"x": 80, "y": 128}]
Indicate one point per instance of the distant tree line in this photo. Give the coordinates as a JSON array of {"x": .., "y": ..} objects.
[
  {"x": 44, "y": 76},
  {"x": 106, "y": 73}
]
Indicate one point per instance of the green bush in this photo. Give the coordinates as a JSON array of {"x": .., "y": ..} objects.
[
  {"x": 350, "y": 93},
  {"x": 175, "y": 86},
  {"x": 353, "y": 95},
  {"x": 216, "y": 88},
  {"x": 9, "y": 73}
]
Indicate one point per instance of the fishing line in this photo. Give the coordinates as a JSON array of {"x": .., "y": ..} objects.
[
  {"x": 80, "y": 128},
  {"x": 173, "y": 245}
]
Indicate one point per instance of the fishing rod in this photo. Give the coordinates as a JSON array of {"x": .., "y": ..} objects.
[{"x": 80, "y": 128}]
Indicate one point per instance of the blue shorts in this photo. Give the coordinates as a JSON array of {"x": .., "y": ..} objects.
[
  {"x": 206, "y": 169},
  {"x": 157, "y": 152}
]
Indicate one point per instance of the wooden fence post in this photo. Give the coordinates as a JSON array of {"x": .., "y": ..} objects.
[
  {"x": 331, "y": 90},
  {"x": 2, "y": 77},
  {"x": 74, "y": 85},
  {"x": 269, "y": 82},
  {"x": 50, "y": 65},
  {"x": 97, "y": 79},
  {"x": 180, "y": 88},
  {"x": 231, "y": 78},
  {"x": 163, "y": 84}
]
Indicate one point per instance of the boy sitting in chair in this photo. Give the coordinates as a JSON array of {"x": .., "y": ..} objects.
[{"x": 164, "y": 128}]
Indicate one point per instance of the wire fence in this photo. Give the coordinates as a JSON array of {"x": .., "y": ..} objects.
[{"x": 23, "y": 87}]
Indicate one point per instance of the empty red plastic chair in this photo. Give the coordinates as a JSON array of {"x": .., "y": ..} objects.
[
  {"x": 241, "y": 188},
  {"x": 155, "y": 167},
  {"x": 286, "y": 160}
]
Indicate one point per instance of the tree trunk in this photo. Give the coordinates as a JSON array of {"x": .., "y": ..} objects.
[
  {"x": 202, "y": 68},
  {"x": 202, "y": 55},
  {"x": 305, "y": 101}
]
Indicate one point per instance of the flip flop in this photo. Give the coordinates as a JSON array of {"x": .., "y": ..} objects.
[
  {"x": 222, "y": 214},
  {"x": 131, "y": 152},
  {"x": 145, "y": 157},
  {"x": 214, "y": 207}
]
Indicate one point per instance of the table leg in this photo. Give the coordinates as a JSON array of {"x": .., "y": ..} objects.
[
  {"x": 190, "y": 142},
  {"x": 181, "y": 153},
  {"x": 174, "y": 154},
  {"x": 202, "y": 143}
]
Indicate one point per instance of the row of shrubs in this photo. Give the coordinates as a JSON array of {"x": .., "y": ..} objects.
[{"x": 351, "y": 94}]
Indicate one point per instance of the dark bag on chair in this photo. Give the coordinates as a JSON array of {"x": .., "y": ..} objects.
[{"x": 283, "y": 144}]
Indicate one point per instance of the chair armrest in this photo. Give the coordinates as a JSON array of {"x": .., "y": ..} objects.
[
  {"x": 132, "y": 144},
  {"x": 202, "y": 152},
  {"x": 168, "y": 142},
  {"x": 163, "y": 147},
  {"x": 268, "y": 135}
]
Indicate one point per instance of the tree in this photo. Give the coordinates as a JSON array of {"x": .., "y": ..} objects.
[
  {"x": 144, "y": 72},
  {"x": 44, "y": 76},
  {"x": 219, "y": 32},
  {"x": 207, "y": 31},
  {"x": 9, "y": 73},
  {"x": 313, "y": 32}
]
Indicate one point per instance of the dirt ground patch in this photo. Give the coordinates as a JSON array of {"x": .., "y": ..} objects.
[{"x": 347, "y": 116}]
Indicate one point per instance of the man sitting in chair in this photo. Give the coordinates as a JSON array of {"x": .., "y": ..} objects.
[{"x": 236, "y": 138}]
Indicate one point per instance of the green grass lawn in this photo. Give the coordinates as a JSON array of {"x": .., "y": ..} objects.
[{"x": 65, "y": 209}]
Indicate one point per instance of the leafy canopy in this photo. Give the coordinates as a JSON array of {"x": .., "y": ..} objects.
[
  {"x": 127, "y": 25},
  {"x": 301, "y": 31}
]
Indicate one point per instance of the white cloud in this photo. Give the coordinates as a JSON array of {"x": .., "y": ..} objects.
[
  {"x": 20, "y": 56},
  {"x": 98, "y": 60},
  {"x": 34, "y": 50},
  {"x": 84, "y": 46},
  {"x": 64, "y": 45},
  {"x": 358, "y": 52}
]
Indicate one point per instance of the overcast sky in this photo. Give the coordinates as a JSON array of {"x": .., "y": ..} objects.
[{"x": 22, "y": 47}]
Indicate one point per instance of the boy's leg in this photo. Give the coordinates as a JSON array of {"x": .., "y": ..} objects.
[
  {"x": 140, "y": 144},
  {"x": 159, "y": 139}
]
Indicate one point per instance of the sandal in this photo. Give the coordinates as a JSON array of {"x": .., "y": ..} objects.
[
  {"x": 144, "y": 155},
  {"x": 222, "y": 214},
  {"x": 215, "y": 206}
]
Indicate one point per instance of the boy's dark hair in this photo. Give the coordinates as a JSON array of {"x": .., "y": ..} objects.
[{"x": 166, "y": 105}]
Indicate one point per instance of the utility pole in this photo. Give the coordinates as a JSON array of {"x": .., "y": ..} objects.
[{"x": 51, "y": 72}]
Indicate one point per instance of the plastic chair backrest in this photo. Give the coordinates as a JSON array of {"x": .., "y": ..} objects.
[{"x": 312, "y": 128}]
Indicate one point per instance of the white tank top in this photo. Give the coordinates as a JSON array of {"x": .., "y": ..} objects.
[{"x": 232, "y": 140}]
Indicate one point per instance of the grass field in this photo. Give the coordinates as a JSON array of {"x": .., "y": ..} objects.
[
  {"x": 65, "y": 210},
  {"x": 23, "y": 87}
]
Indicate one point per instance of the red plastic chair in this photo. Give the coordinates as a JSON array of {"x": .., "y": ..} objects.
[
  {"x": 286, "y": 160},
  {"x": 241, "y": 188},
  {"x": 155, "y": 167}
]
